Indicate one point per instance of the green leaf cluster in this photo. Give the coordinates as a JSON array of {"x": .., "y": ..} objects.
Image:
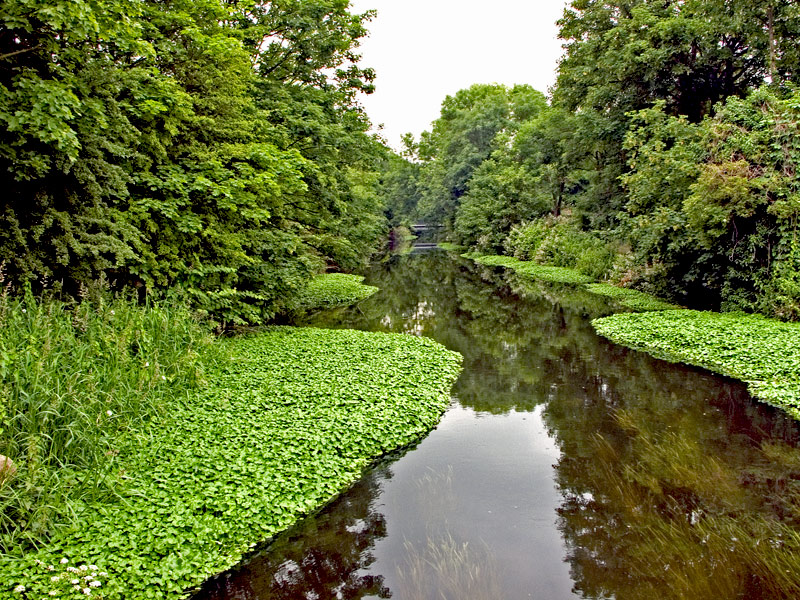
[
  {"x": 335, "y": 289},
  {"x": 74, "y": 380},
  {"x": 212, "y": 146},
  {"x": 669, "y": 141},
  {"x": 290, "y": 418}
]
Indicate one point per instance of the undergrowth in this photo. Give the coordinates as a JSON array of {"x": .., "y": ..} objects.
[{"x": 74, "y": 378}]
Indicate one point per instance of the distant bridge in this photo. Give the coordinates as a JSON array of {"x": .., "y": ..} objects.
[{"x": 425, "y": 226}]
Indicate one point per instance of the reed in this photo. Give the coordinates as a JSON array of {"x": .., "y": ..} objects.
[{"x": 74, "y": 378}]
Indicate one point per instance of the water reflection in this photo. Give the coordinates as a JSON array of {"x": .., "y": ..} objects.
[
  {"x": 570, "y": 467},
  {"x": 323, "y": 557}
]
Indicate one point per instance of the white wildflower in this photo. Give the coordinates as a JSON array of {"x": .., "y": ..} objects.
[
  {"x": 95, "y": 584},
  {"x": 147, "y": 364},
  {"x": 109, "y": 413},
  {"x": 64, "y": 561},
  {"x": 23, "y": 310},
  {"x": 88, "y": 578},
  {"x": 87, "y": 591},
  {"x": 72, "y": 570},
  {"x": 53, "y": 592},
  {"x": 163, "y": 378},
  {"x": 20, "y": 588},
  {"x": 84, "y": 568},
  {"x": 75, "y": 581},
  {"x": 94, "y": 567},
  {"x": 55, "y": 578}
]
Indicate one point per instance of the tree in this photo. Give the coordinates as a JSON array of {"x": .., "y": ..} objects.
[{"x": 463, "y": 137}]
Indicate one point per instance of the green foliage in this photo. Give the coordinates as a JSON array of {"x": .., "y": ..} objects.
[
  {"x": 501, "y": 194},
  {"x": 763, "y": 352},
  {"x": 530, "y": 269},
  {"x": 213, "y": 146},
  {"x": 335, "y": 289},
  {"x": 450, "y": 247},
  {"x": 74, "y": 379},
  {"x": 469, "y": 129},
  {"x": 289, "y": 419},
  {"x": 559, "y": 243},
  {"x": 629, "y": 298}
]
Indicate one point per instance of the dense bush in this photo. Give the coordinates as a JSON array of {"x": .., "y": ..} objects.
[
  {"x": 213, "y": 146},
  {"x": 558, "y": 243}
]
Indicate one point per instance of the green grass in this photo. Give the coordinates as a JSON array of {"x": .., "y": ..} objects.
[
  {"x": 289, "y": 419},
  {"x": 531, "y": 269},
  {"x": 633, "y": 299},
  {"x": 74, "y": 378},
  {"x": 335, "y": 289},
  {"x": 763, "y": 352}
]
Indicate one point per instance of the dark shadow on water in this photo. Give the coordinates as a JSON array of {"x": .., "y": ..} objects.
[{"x": 324, "y": 556}]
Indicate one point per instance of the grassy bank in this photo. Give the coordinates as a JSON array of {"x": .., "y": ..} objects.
[
  {"x": 628, "y": 298},
  {"x": 763, "y": 352},
  {"x": 335, "y": 289},
  {"x": 531, "y": 269},
  {"x": 625, "y": 298},
  {"x": 284, "y": 421}
]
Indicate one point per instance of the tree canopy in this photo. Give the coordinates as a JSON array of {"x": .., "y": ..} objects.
[
  {"x": 218, "y": 147},
  {"x": 669, "y": 137}
]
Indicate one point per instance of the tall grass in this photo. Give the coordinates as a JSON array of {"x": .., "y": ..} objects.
[{"x": 74, "y": 379}]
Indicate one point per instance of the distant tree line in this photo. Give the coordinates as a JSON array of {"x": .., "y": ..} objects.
[
  {"x": 666, "y": 158},
  {"x": 207, "y": 146}
]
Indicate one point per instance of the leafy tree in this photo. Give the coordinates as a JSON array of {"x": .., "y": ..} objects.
[
  {"x": 213, "y": 146},
  {"x": 463, "y": 137}
]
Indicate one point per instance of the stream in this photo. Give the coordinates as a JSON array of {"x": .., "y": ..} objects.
[{"x": 566, "y": 466}]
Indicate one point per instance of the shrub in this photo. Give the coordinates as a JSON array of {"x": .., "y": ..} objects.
[{"x": 558, "y": 243}]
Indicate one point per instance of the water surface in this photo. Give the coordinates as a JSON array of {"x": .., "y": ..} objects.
[{"x": 566, "y": 467}]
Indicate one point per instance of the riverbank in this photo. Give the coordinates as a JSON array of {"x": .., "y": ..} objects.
[
  {"x": 624, "y": 298},
  {"x": 329, "y": 290},
  {"x": 290, "y": 419},
  {"x": 161, "y": 456},
  {"x": 760, "y": 351}
]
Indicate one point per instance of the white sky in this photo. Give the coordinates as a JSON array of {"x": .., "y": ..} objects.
[{"x": 424, "y": 50}]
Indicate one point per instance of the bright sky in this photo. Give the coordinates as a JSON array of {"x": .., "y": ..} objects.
[{"x": 424, "y": 50}]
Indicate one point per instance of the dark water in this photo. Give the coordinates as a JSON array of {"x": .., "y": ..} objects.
[{"x": 567, "y": 467}]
